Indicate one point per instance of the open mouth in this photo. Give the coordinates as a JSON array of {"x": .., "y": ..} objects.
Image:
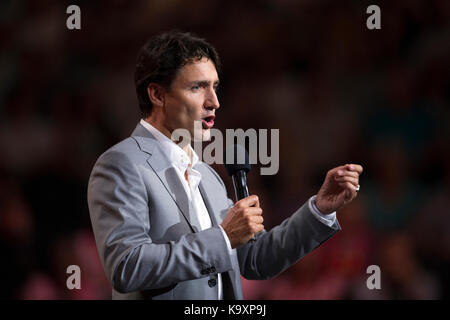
[{"x": 208, "y": 122}]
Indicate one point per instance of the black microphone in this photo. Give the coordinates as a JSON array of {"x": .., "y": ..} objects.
[{"x": 237, "y": 166}]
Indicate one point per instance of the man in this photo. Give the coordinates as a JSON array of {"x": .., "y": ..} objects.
[{"x": 164, "y": 226}]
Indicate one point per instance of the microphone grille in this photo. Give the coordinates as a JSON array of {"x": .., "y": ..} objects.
[{"x": 236, "y": 158}]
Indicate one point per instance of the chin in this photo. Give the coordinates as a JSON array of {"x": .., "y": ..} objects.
[
  {"x": 206, "y": 134},
  {"x": 201, "y": 134}
]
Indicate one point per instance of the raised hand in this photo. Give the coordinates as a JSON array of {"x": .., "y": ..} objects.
[{"x": 340, "y": 187}]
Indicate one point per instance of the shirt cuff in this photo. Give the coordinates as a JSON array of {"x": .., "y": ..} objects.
[
  {"x": 327, "y": 219},
  {"x": 230, "y": 250}
]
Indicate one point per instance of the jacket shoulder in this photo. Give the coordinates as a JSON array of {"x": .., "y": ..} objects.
[{"x": 123, "y": 149}]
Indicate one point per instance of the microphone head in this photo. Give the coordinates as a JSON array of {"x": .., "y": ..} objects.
[{"x": 236, "y": 158}]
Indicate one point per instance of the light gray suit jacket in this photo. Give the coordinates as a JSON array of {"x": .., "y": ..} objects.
[{"x": 149, "y": 239}]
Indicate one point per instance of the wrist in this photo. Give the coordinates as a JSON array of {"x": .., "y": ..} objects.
[
  {"x": 320, "y": 209},
  {"x": 227, "y": 239}
]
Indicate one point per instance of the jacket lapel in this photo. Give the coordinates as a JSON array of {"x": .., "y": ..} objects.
[
  {"x": 166, "y": 174},
  {"x": 169, "y": 178},
  {"x": 206, "y": 199}
]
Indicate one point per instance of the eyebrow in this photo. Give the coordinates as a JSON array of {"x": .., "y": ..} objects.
[{"x": 204, "y": 83}]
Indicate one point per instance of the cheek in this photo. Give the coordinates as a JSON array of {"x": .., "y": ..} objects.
[
  {"x": 185, "y": 110},
  {"x": 196, "y": 113},
  {"x": 180, "y": 117},
  {"x": 187, "y": 115},
  {"x": 193, "y": 109}
]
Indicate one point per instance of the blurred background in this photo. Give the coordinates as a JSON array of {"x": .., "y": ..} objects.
[{"x": 338, "y": 92}]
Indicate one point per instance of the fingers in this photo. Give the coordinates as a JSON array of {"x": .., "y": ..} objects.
[
  {"x": 258, "y": 227},
  {"x": 243, "y": 221},
  {"x": 349, "y": 169},
  {"x": 348, "y": 185},
  {"x": 348, "y": 173},
  {"x": 354, "y": 167},
  {"x": 250, "y": 201},
  {"x": 350, "y": 190},
  {"x": 251, "y": 211},
  {"x": 257, "y": 219},
  {"x": 343, "y": 172},
  {"x": 253, "y": 216},
  {"x": 330, "y": 197},
  {"x": 353, "y": 180},
  {"x": 255, "y": 224}
]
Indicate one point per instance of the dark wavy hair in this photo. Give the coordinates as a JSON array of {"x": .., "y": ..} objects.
[{"x": 162, "y": 56}]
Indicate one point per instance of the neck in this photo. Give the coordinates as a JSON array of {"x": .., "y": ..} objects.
[{"x": 154, "y": 121}]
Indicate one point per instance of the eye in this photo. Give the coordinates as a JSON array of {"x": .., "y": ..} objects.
[{"x": 195, "y": 88}]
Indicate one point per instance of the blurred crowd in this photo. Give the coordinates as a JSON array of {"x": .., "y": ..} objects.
[{"x": 338, "y": 92}]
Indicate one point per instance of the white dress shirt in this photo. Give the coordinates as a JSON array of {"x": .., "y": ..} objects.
[
  {"x": 183, "y": 164},
  {"x": 184, "y": 167}
]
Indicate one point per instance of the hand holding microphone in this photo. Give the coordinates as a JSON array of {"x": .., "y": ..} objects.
[{"x": 244, "y": 219}]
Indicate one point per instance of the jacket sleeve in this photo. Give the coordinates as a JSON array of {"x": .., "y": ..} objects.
[
  {"x": 276, "y": 250},
  {"x": 119, "y": 211}
]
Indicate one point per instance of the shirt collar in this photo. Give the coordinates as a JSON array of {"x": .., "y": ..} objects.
[{"x": 177, "y": 156}]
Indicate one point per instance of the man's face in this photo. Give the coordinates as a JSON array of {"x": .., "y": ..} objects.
[{"x": 192, "y": 97}]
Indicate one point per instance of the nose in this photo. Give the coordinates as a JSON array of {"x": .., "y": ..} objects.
[{"x": 211, "y": 101}]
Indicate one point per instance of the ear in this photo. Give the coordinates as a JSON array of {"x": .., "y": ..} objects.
[{"x": 156, "y": 94}]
